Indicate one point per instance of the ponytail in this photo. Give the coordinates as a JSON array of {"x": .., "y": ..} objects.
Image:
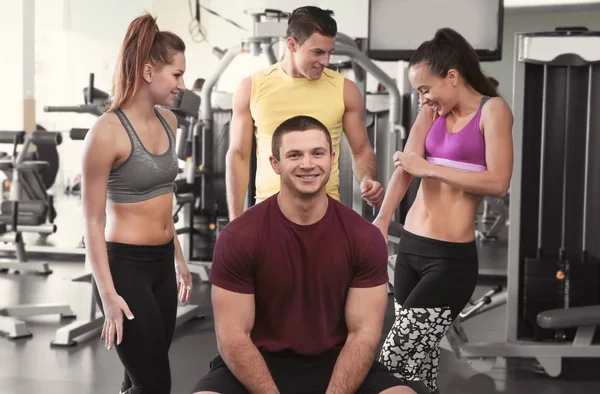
[
  {"x": 143, "y": 43},
  {"x": 448, "y": 49}
]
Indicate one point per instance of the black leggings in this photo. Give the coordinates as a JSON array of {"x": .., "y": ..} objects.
[
  {"x": 433, "y": 282},
  {"x": 144, "y": 276}
]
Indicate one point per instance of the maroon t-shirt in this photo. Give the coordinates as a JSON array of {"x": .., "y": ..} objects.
[{"x": 299, "y": 275}]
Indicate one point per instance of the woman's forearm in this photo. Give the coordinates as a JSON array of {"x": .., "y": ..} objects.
[
  {"x": 178, "y": 249},
  {"x": 96, "y": 253},
  {"x": 396, "y": 190}
]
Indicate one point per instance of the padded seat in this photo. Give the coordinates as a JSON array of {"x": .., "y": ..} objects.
[
  {"x": 181, "y": 186},
  {"x": 6, "y": 165},
  {"x": 184, "y": 198},
  {"x": 24, "y": 220},
  {"x": 570, "y": 317}
]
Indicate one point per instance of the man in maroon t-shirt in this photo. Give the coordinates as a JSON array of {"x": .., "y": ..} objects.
[{"x": 299, "y": 285}]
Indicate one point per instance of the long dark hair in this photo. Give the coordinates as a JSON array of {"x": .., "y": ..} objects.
[
  {"x": 448, "y": 49},
  {"x": 143, "y": 43}
]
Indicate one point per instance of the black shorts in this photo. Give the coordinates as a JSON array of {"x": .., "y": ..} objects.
[{"x": 294, "y": 374}]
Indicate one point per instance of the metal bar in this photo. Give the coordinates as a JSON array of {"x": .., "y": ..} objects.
[
  {"x": 542, "y": 162},
  {"x": 587, "y": 163}
]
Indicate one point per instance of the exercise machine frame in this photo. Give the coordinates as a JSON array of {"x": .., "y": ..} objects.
[
  {"x": 539, "y": 48},
  {"x": 9, "y": 315}
]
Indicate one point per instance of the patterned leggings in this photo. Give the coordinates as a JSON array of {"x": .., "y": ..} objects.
[{"x": 433, "y": 282}]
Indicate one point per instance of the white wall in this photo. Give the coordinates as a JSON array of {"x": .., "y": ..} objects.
[
  {"x": 530, "y": 20},
  {"x": 174, "y": 15},
  {"x": 77, "y": 37},
  {"x": 74, "y": 38}
]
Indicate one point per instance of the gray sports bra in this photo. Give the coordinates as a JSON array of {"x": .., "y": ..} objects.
[{"x": 143, "y": 175}]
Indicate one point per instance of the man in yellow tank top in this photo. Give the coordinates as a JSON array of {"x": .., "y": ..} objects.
[{"x": 299, "y": 85}]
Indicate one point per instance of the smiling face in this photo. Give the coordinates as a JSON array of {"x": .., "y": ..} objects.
[
  {"x": 166, "y": 81},
  {"x": 305, "y": 162},
  {"x": 312, "y": 56},
  {"x": 440, "y": 93}
]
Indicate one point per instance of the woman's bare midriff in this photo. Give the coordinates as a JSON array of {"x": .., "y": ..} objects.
[
  {"x": 443, "y": 212},
  {"x": 142, "y": 223}
]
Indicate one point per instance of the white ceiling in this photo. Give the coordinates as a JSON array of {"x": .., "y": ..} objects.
[{"x": 541, "y": 3}]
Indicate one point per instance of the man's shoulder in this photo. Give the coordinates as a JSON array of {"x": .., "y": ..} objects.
[
  {"x": 250, "y": 219},
  {"x": 332, "y": 74},
  {"x": 266, "y": 72},
  {"x": 352, "y": 219}
]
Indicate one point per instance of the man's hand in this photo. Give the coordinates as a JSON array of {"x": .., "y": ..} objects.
[{"x": 371, "y": 191}]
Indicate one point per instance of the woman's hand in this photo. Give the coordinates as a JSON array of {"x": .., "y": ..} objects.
[
  {"x": 114, "y": 308},
  {"x": 412, "y": 163},
  {"x": 184, "y": 281}
]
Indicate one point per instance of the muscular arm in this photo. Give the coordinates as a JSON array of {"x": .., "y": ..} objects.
[
  {"x": 234, "y": 319},
  {"x": 497, "y": 122},
  {"x": 99, "y": 154},
  {"x": 363, "y": 156},
  {"x": 240, "y": 146},
  {"x": 400, "y": 178},
  {"x": 365, "y": 309}
]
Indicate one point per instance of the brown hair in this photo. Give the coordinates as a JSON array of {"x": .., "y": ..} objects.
[
  {"x": 297, "y": 123},
  {"x": 449, "y": 49},
  {"x": 143, "y": 43},
  {"x": 307, "y": 20}
]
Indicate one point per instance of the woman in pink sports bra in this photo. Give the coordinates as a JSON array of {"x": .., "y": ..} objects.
[{"x": 460, "y": 147}]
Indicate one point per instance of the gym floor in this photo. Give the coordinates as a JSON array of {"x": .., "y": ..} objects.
[{"x": 31, "y": 366}]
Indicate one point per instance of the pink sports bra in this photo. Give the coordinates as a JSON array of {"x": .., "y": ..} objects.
[{"x": 464, "y": 150}]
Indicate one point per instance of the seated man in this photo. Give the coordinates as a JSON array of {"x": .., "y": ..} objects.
[{"x": 299, "y": 285}]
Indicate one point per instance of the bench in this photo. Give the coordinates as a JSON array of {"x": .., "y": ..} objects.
[{"x": 584, "y": 318}]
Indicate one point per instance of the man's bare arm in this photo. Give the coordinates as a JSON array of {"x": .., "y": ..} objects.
[
  {"x": 363, "y": 155},
  {"x": 234, "y": 319},
  {"x": 365, "y": 309},
  {"x": 240, "y": 147}
]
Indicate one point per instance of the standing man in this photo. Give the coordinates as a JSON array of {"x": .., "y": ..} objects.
[{"x": 299, "y": 85}]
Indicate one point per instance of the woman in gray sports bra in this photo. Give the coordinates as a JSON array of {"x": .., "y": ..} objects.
[{"x": 129, "y": 166}]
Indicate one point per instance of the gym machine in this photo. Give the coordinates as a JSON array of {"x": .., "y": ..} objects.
[
  {"x": 553, "y": 303},
  {"x": 500, "y": 208},
  {"x": 24, "y": 215},
  {"x": 270, "y": 28},
  {"x": 95, "y": 101}
]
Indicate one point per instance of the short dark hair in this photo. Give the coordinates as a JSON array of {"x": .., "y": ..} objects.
[
  {"x": 448, "y": 49},
  {"x": 305, "y": 21},
  {"x": 297, "y": 123}
]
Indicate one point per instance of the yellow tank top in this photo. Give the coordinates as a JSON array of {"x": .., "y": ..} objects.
[{"x": 276, "y": 97}]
